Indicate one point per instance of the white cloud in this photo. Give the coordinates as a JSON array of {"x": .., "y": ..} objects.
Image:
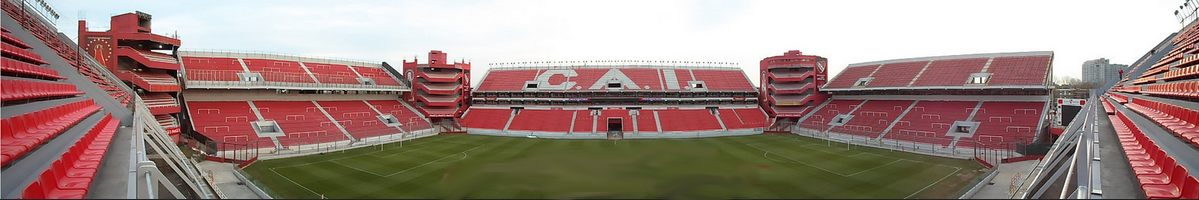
[{"x": 705, "y": 30}]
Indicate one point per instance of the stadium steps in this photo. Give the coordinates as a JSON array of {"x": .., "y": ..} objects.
[
  {"x": 339, "y": 127},
  {"x": 851, "y": 112},
  {"x": 918, "y": 74},
  {"x": 633, "y": 117},
  {"x": 720, "y": 121},
  {"x": 274, "y": 140},
  {"x": 309, "y": 72},
  {"x": 379, "y": 113},
  {"x": 573, "y": 117},
  {"x": 954, "y": 143},
  {"x": 509, "y": 123},
  {"x": 817, "y": 108},
  {"x": 896, "y": 121},
  {"x": 658, "y": 121},
  {"x": 670, "y": 77},
  {"x": 244, "y": 68}
]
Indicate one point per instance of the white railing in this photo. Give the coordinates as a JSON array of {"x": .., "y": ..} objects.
[
  {"x": 145, "y": 178},
  {"x": 614, "y": 63}
]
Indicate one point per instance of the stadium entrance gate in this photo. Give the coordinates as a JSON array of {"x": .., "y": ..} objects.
[{"x": 615, "y": 129}]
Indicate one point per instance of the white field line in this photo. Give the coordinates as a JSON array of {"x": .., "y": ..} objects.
[
  {"x": 797, "y": 161},
  {"x": 423, "y": 146},
  {"x": 876, "y": 167},
  {"x": 955, "y": 171},
  {"x": 294, "y": 182},
  {"x": 352, "y": 167},
  {"x": 431, "y": 162}
]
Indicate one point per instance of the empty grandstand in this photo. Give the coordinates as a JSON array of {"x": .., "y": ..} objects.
[
  {"x": 612, "y": 99},
  {"x": 943, "y": 104}
]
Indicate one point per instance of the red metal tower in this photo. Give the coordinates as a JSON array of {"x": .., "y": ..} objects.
[
  {"x": 143, "y": 60},
  {"x": 440, "y": 89},
  {"x": 790, "y": 86}
]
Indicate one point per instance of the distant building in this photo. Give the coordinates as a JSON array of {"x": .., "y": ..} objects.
[{"x": 1101, "y": 71}]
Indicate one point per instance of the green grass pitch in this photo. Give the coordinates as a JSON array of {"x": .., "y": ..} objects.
[{"x": 760, "y": 166}]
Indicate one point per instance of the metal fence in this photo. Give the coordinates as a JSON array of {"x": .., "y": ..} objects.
[
  {"x": 280, "y": 80},
  {"x": 239, "y": 149},
  {"x": 989, "y": 149}
]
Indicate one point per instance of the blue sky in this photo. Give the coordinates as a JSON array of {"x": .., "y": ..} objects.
[{"x": 704, "y": 30}]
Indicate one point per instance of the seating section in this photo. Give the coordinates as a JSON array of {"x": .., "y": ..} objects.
[
  {"x": 357, "y": 118},
  {"x": 847, "y": 77},
  {"x": 643, "y": 78},
  {"x": 380, "y": 75},
  {"x": 1005, "y": 122},
  {"x": 1019, "y": 70},
  {"x": 226, "y": 122},
  {"x": 896, "y": 74},
  {"x": 18, "y": 89},
  {"x": 1183, "y": 73},
  {"x": 408, "y": 118},
  {"x": 70, "y": 176},
  {"x": 928, "y": 121},
  {"x": 873, "y": 117},
  {"x": 742, "y": 118},
  {"x": 278, "y": 70},
  {"x": 161, "y": 103},
  {"x": 1182, "y": 122},
  {"x": 66, "y": 51},
  {"x": 487, "y": 118},
  {"x": 329, "y": 73},
  {"x": 212, "y": 69},
  {"x": 584, "y": 121},
  {"x": 1185, "y": 89},
  {"x": 684, "y": 120},
  {"x": 950, "y": 72},
  {"x": 1159, "y": 174},
  {"x": 542, "y": 120},
  {"x": 301, "y": 121},
  {"x": 26, "y": 132},
  {"x": 646, "y": 122},
  {"x": 819, "y": 119},
  {"x": 153, "y": 82},
  {"x": 13, "y": 67}
]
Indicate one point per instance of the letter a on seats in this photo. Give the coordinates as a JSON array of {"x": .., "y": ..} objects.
[{"x": 614, "y": 75}]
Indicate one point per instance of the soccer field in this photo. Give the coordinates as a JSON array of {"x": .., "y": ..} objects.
[{"x": 760, "y": 166}]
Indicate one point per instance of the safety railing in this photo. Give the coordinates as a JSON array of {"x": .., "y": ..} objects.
[
  {"x": 145, "y": 177},
  {"x": 225, "y": 79}
]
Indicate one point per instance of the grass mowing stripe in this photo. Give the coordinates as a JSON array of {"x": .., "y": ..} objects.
[{"x": 955, "y": 171}]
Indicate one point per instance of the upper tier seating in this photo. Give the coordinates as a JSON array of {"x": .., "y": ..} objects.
[
  {"x": 380, "y": 76},
  {"x": 212, "y": 69},
  {"x": 1019, "y": 70},
  {"x": 642, "y": 79},
  {"x": 25, "y": 132},
  {"x": 950, "y": 72},
  {"x": 301, "y": 121},
  {"x": 850, "y": 75},
  {"x": 896, "y": 74},
  {"x": 328, "y": 73},
  {"x": 928, "y": 121},
  {"x": 873, "y": 117},
  {"x": 279, "y": 70},
  {"x": 226, "y": 122},
  {"x": 357, "y": 118}
]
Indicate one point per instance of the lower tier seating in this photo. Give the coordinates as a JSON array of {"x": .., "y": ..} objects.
[
  {"x": 873, "y": 117},
  {"x": 26, "y": 132},
  {"x": 743, "y": 118},
  {"x": 1006, "y": 122},
  {"x": 70, "y": 176},
  {"x": 487, "y": 118},
  {"x": 542, "y": 120},
  {"x": 357, "y": 118},
  {"x": 1159, "y": 175},
  {"x": 820, "y": 118},
  {"x": 928, "y": 121},
  {"x": 408, "y": 118},
  {"x": 227, "y": 122},
  {"x": 1180, "y": 121},
  {"x": 301, "y": 122}
]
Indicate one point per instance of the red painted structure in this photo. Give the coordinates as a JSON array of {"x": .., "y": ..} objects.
[
  {"x": 440, "y": 89},
  {"x": 790, "y": 85},
  {"x": 143, "y": 60}
]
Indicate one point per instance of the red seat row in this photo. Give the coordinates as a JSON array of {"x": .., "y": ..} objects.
[
  {"x": 11, "y": 39},
  {"x": 1179, "y": 88},
  {"x": 22, "y": 54},
  {"x": 71, "y": 175},
  {"x": 17, "y": 67},
  {"x": 1181, "y": 73},
  {"x": 1182, "y": 122},
  {"x": 1108, "y": 108},
  {"x": 26, "y": 132},
  {"x": 1120, "y": 98},
  {"x": 15, "y": 89},
  {"x": 1160, "y": 176}
]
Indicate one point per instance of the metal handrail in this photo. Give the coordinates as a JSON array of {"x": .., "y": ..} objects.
[{"x": 145, "y": 176}]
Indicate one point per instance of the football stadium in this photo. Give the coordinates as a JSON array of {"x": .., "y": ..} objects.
[{"x": 124, "y": 111}]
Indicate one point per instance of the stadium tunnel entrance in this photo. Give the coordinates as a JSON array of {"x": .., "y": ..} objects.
[{"x": 615, "y": 128}]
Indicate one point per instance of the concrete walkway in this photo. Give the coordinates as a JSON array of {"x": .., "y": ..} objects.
[
  {"x": 226, "y": 181},
  {"x": 1002, "y": 186}
]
